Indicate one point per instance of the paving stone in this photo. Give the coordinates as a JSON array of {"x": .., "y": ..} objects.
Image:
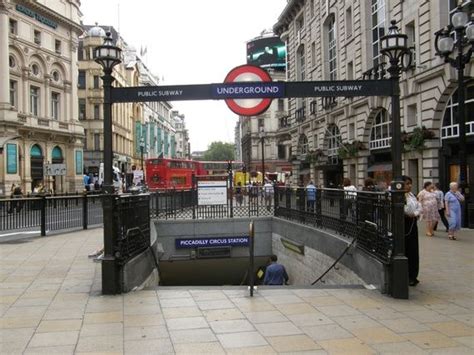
[
  {"x": 296, "y": 308},
  {"x": 283, "y": 299},
  {"x": 192, "y": 336},
  {"x": 16, "y": 334},
  {"x": 377, "y": 335},
  {"x": 265, "y": 317},
  {"x": 148, "y": 346},
  {"x": 90, "y": 330},
  {"x": 223, "y": 314},
  {"x": 181, "y": 312},
  {"x": 346, "y": 346},
  {"x": 100, "y": 344},
  {"x": 251, "y": 350},
  {"x": 338, "y": 311},
  {"x": 327, "y": 331},
  {"x": 231, "y": 326},
  {"x": 241, "y": 340},
  {"x": 431, "y": 340},
  {"x": 105, "y": 317},
  {"x": 467, "y": 340},
  {"x": 398, "y": 348},
  {"x": 309, "y": 319},
  {"x": 177, "y": 302},
  {"x": 59, "y": 325},
  {"x": 355, "y": 322},
  {"x": 292, "y": 343},
  {"x": 216, "y": 304},
  {"x": 142, "y": 320},
  {"x": 199, "y": 348},
  {"x": 63, "y": 350},
  {"x": 146, "y": 332},
  {"x": 54, "y": 339},
  {"x": 405, "y": 325},
  {"x": 186, "y": 323},
  {"x": 19, "y": 322},
  {"x": 453, "y": 328}
]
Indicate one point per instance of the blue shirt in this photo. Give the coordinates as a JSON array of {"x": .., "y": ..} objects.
[
  {"x": 275, "y": 274},
  {"x": 311, "y": 192}
]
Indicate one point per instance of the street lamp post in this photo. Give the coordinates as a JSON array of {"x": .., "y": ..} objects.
[
  {"x": 395, "y": 46},
  {"x": 108, "y": 56},
  {"x": 446, "y": 45},
  {"x": 142, "y": 148},
  {"x": 261, "y": 134}
]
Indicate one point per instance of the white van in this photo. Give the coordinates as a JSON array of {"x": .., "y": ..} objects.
[{"x": 116, "y": 177}]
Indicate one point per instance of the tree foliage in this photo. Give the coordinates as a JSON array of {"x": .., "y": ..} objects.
[{"x": 220, "y": 151}]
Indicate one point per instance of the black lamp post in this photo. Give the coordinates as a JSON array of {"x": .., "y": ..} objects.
[
  {"x": 261, "y": 134},
  {"x": 142, "y": 148},
  {"x": 395, "y": 46},
  {"x": 454, "y": 40},
  {"x": 108, "y": 56}
]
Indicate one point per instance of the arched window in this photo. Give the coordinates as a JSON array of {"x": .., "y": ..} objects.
[
  {"x": 57, "y": 155},
  {"x": 333, "y": 140},
  {"x": 36, "y": 151},
  {"x": 303, "y": 144},
  {"x": 450, "y": 127},
  {"x": 381, "y": 133}
]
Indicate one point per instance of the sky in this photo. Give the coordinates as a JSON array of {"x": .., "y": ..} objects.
[{"x": 190, "y": 42}]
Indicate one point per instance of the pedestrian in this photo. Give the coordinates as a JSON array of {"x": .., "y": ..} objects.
[
  {"x": 429, "y": 204},
  {"x": 369, "y": 184},
  {"x": 412, "y": 212},
  {"x": 453, "y": 199},
  {"x": 275, "y": 274},
  {"x": 268, "y": 192},
  {"x": 310, "y": 196},
  {"x": 350, "y": 195},
  {"x": 16, "y": 193},
  {"x": 86, "y": 182},
  {"x": 441, "y": 209},
  {"x": 238, "y": 193}
]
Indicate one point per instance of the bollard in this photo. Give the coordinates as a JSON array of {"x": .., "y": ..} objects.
[
  {"x": 43, "y": 215},
  {"x": 84, "y": 211},
  {"x": 251, "y": 254}
]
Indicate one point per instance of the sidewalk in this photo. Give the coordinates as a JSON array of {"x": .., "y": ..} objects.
[{"x": 50, "y": 302}]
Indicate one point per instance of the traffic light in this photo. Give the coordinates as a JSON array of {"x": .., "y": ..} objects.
[{"x": 229, "y": 166}]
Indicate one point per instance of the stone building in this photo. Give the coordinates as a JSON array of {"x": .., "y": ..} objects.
[
  {"x": 38, "y": 95},
  {"x": 91, "y": 98},
  {"x": 183, "y": 146},
  {"x": 351, "y": 137}
]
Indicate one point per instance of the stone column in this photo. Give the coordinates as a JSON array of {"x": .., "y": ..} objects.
[{"x": 5, "y": 112}]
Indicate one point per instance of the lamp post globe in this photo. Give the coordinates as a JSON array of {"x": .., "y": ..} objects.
[{"x": 108, "y": 55}]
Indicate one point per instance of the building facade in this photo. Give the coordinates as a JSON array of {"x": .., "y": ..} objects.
[
  {"x": 39, "y": 121},
  {"x": 183, "y": 146},
  {"x": 351, "y": 137},
  {"x": 91, "y": 99}
]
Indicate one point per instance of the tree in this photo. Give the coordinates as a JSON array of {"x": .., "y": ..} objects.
[{"x": 220, "y": 151}]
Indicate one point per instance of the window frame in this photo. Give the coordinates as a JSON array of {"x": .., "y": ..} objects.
[
  {"x": 381, "y": 131},
  {"x": 13, "y": 93},
  {"x": 55, "y": 105},
  {"x": 37, "y": 37},
  {"x": 35, "y": 102},
  {"x": 377, "y": 8}
]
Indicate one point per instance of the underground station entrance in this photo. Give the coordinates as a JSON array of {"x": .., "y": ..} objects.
[{"x": 308, "y": 236}]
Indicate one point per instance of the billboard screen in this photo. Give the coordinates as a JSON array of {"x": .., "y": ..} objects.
[{"x": 267, "y": 52}]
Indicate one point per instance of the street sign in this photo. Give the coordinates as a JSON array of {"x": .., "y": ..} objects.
[
  {"x": 212, "y": 193},
  {"x": 55, "y": 169},
  {"x": 249, "y": 106},
  {"x": 346, "y": 88}
]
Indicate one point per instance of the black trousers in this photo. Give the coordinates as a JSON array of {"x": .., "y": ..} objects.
[
  {"x": 411, "y": 247},
  {"x": 443, "y": 219}
]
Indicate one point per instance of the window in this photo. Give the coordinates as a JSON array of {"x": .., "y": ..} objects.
[
  {"x": 35, "y": 69},
  {"x": 82, "y": 109},
  {"x": 281, "y": 105},
  {"x": 13, "y": 93},
  {"x": 451, "y": 121},
  {"x": 281, "y": 151},
  {"x": 378, "y": 29},
  {"x": 351, "y": 131},
  {"x": 11, "y": 62},
  {"x": 261, "y": 123},
  {"x": 13, "y": 27},
  {"x": 96, "y": 141},
  {"x": 350, "y": 71},
  {"x": 96, "y": 81},
  {"x": 410, "y": 32},
  {"x": 34, "y": 100},
  {"x": 55, "y": 76},
  {"x": 352, "y": 173},
  {"x": 349, "y": 22},
  {"x": 333, "y": 140},
  {"x": 96, "y": 112},
  {"x": 57, "y": 46},
  {"x": 37, "y": 37},
  {"x": 303, "y": 144},
  {"x": 85, "y": 139},
  {"x": 82, "y": 79},
  {"x": 332, "y": 50},
  {"x": 412, "y": 117},
  {"x": 300, "y": 64},
  {"x": 313, "y": 54},
  {"x": 315, "y": 141},
  {"x": 381, "y": 133},
  {"x": 311, "y": 8},
  {"x": 55, "y": 102}
]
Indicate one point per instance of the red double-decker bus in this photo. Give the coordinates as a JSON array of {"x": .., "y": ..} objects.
[{"x": 164, "y": 173}]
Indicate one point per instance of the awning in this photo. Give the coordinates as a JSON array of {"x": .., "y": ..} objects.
[
  {"x": 380, "y": 167},
  {"x": 3, "y": 140}
]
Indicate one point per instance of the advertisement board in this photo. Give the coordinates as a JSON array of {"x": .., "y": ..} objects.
[
  {"x": 267, "y": 52},
  {"x": 12, "y": 167},
  {"x": 212, "y": 193}
]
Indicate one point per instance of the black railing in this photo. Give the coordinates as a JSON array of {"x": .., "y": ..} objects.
[
  {"x": 50, "y": 213},
  {"x": 133, "y": 221},
  {"x": 184, "y": 204},
  {"x": 347, "y": 213}
]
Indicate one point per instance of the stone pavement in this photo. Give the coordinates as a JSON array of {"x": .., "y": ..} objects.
[{"x": 50, "y": 302}]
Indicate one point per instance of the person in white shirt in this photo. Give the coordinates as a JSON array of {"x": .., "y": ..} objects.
[{"x": 268, "y": 193}]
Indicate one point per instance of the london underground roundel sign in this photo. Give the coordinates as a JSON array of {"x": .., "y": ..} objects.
[{"x": 248, "y": 106}]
